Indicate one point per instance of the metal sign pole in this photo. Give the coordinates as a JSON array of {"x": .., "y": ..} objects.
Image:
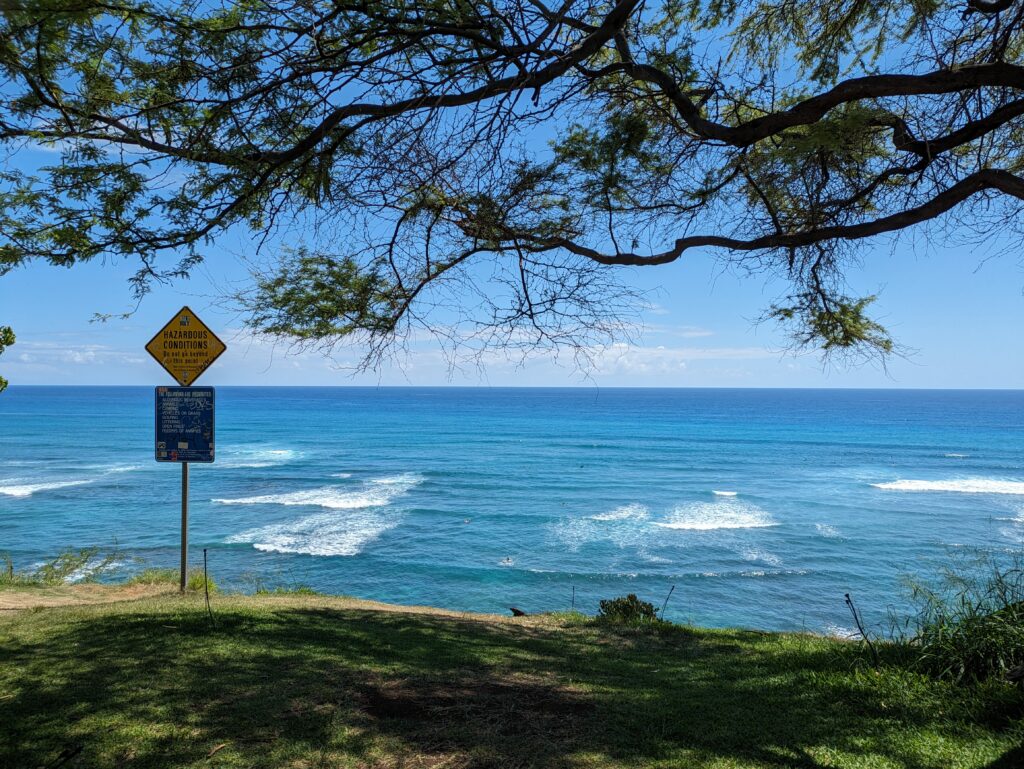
[
  {"x": 185, "y": 347},
  {"x": 184, "y": 524}
]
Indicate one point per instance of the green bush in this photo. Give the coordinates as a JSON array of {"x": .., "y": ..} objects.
[
  {"x": 84, "y": 565},
  {"x": 627, "y": 610},
  {"x": 970, "y": 625},
  {"x": 155, "y": 577},
  {"x": 194, "y": 582}
]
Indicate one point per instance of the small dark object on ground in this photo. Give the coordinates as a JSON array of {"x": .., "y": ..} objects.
[
  {"x": 1015, "y": 675},
  {"x": 517, "y": 612}
]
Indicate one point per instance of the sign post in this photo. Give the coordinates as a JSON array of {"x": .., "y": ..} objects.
[
  {"x": 183, "y": 577},
  {"x": 185, "y": 347}
]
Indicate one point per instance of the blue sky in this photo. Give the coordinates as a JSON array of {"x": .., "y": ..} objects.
[{"x": 958, "y": 312}]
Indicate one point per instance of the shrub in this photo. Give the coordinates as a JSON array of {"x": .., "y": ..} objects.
[
  {"x": 84, "y": 565},
  {"x": 627, "y": 610},
  {"x": 155, "y": 577},
  {"x": 194, "y": 582},
  {"x": 970, "y": 624},
  {"x": 172, "y": 577}
]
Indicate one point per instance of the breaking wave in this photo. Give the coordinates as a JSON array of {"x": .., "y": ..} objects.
[
  {"x": 624, "y": 527},
  {"x": 960, "y": 486},
  {"x": 337, "y": 533},
  {"x": 355, "y": 518},
  {"x": 376, "y": 493},
  {"x": 727, "y": 513},
  {"x": 626, "y": 512},
  {"x": 750, "y": 554},
  {"x": 28, "y": 489},
  {"x": 257, "y": 457},
  {"x": 827, "y": 530}
]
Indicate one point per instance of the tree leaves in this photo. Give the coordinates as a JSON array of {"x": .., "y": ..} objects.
[{"x": 505, "y": 154}]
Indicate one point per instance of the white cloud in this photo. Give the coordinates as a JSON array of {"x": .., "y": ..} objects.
[
  {"x": 54, "y": 354},
  {"x": 625, "y": 359},
  {"x": 678, "y": 332}
]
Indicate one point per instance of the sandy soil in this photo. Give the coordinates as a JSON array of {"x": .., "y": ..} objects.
[{"x": 76, "y": 595}]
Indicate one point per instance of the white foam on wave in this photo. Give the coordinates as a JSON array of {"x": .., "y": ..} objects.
[
  {"x": 954, "y": 455},
  {"x": 326, "y": 496},
  {"x": 341, "y": 475},
  {"x": 117, "y": 469},
  {"x": 727, "y": 513},
  {"x": 840, "y": 632},
  {"x": 751, "y": 554},
  {"x": 28, "y": 489},
  {"x": 355, "y": 518},
  {"x": 655, "y": 558},
  {"x": 1013, "y": 533},
  {"x": 258, "y": 457},
  {"x": 402, "y": 480},
  {"x": 827, "y": 530},
  {"x": 777, "y": 573},
  {"x": 336, "y": 533},
  {"x": 376, "y": 493},
  {"x": 626, "y": 512},
  {"x": 624, "y": 527},
  {"x": 723, "y": 493},
  {"x": 957, "y": 485}
]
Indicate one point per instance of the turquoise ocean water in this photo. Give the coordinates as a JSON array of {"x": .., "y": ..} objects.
[{"x": 761, "y": 507}]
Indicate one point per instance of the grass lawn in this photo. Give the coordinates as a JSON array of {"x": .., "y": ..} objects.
[{"x": 310, "y": 681}]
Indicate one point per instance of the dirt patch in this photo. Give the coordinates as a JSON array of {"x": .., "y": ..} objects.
[{"x": 76, "y": 595}]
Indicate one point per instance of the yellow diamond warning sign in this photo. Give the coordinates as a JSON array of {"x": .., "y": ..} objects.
[{"x": 185, "y": 347}]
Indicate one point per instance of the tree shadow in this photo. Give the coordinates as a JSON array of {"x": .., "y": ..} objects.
[{"x": 334, "y": 687}]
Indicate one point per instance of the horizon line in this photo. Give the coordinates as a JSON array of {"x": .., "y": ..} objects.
[{"x": 13, "y": 386}]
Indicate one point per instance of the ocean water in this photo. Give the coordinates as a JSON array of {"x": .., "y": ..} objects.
[{"x": 761, "y": 507}]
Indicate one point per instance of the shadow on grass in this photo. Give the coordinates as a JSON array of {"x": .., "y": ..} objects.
[{"x": 327, "y": 687}]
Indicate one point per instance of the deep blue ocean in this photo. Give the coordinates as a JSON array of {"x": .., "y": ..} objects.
[{"x": 761, "y": 507}]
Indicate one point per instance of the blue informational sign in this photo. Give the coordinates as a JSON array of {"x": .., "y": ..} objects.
[{"x": 184, "y": 424}]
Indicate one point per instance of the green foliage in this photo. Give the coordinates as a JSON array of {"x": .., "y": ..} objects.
[
  {"x": 969, "y": 625},
  {"x": 571, "y": 618},
  {"x": 627, "y": 610},
  {"x": 172, "y": 577},
  {"x": 195, "y": 582},
  {"x": 155, "y": 576},
  {"x": 287, "y": 590},
  {"x": 315, "y": 296},
  {"x": 6, "y": 340},
  {"x": 833, "y": 323},
  {"x": 82, "y": 565},
  {"x": 488, "y": 161}
]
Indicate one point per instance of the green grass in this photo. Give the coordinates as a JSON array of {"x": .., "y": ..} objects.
[
  {"x": 308, "y": 681},
  {"x": 193, "y": 581}
]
